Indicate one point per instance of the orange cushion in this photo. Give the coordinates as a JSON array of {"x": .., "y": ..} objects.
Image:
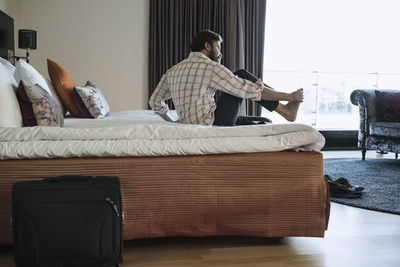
[{"x": 64, "y": 85}]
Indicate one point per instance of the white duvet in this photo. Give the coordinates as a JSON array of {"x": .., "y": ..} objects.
[{"x": 142, "y": 133}]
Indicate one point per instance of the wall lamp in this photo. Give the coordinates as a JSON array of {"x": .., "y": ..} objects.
[{"x": 26, "y": 40}]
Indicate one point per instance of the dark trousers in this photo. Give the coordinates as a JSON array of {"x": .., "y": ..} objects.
[{"x": 228, "y": 105}]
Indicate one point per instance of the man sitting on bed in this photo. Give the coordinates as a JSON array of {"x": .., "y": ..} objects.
[{"x": 192, "y": 84}]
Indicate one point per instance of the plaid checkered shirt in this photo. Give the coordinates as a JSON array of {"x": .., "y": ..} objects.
[{"x": 192, "y": 84}]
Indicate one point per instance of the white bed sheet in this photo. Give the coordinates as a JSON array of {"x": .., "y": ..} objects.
[{"x": 143, "y": 133}]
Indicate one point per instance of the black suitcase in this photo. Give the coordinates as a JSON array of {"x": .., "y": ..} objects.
[{"x": 67, "y": 221}]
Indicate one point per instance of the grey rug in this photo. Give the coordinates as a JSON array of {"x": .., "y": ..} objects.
[{"x": 379, "y": 177}]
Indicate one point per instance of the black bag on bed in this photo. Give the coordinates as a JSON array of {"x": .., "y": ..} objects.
[{"x": 68, "y": 221}]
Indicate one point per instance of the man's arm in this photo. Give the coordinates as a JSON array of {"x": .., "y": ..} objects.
[
  {"x": 224, "y": 80},
  {"x": 157, "y": 100}
]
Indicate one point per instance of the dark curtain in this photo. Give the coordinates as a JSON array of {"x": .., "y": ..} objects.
[
  {"x": 174, "y": 23},
  {"x": 246, "y": 38}
]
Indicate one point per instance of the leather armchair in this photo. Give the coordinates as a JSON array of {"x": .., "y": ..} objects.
[{"x": 379, "y": 119}]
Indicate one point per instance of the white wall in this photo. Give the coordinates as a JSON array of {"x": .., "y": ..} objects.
[{"x": 104, "y": 41}]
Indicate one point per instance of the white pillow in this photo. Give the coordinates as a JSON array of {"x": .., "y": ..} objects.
[
  {"x": 10, "y": 114},
  {"x": 54, "y": 94},
  {"x": 9, "y": 74},
  {"x": 30, "y": 76},
  {"x": 8, "y": 65}
]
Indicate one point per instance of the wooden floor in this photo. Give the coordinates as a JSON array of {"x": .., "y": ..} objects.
[{"x": 355, "y": 237}]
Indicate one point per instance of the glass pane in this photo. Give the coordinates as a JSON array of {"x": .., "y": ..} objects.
[
  {"x": 327, "y": 104},
  {"x": 335, "y": 110},
  {"x": 389, "y": 81},
  {"x": 309, "y": 36}
]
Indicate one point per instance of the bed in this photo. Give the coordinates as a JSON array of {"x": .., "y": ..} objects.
[
  {"x": 176, "y": 179},
  {"x": 181, "y": 180}
]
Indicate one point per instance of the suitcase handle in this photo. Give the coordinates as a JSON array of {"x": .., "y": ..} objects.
[{"x": 68, "y": 178}]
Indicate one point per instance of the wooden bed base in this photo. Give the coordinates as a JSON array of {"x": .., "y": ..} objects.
[{"x": 269, "y": 194}]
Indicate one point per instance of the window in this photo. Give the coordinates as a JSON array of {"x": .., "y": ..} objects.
[{"x": 331, "y": 48}]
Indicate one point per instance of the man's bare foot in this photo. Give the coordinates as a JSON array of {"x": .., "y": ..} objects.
[
  {"x": 288, "y": 111},
  {"x": 296, "y": 96},
  {"x": 292, "y": 108}
]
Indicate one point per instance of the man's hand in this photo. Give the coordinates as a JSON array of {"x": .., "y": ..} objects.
[
  {"x": 169, "y": 118},
  {"x": 272, "y": 95}
]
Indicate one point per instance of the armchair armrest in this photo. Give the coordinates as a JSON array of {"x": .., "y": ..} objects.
[{"x": 365, "y": 100}]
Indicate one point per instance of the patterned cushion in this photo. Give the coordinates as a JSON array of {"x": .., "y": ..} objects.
[
  {"x": 38, "y": 107},
  {"x": 388, "y": 106},
  {"x": 90, "y": 101}
]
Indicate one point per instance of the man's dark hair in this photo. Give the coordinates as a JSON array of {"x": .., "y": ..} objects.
[{"x": 205, "y": 36}]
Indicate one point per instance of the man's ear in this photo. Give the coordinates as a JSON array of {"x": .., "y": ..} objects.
[{"x": 207, "y": 46}]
